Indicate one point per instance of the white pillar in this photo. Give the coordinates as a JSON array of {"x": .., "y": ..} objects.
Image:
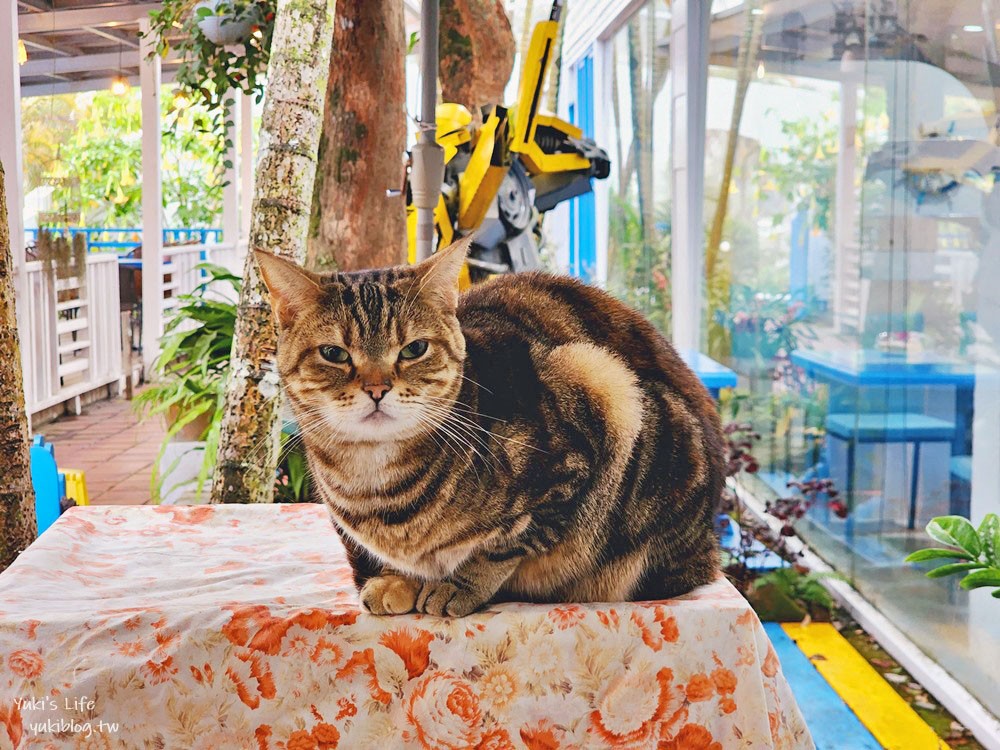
[
  {"x": 11, "y": 158},
  {"x": 689, "y": 28},
  {"x": 846, "y": 240},
  {"x": 152, "y": 199},
  {"x": 230, "y": 193},
  {"x": 246, "y": 163}
]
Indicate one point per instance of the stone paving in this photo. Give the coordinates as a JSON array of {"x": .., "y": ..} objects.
[{"x": 111, "y": 446}]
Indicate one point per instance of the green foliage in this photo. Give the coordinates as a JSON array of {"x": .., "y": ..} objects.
[
  {"x": 638, "y": 274},
  {"x": 292, "y": 483},
  {"x": 192, "y": 366},
  {"x": 89, "y": 147},
  {"x": 977, "y": 549},
  {"x": 104, "y": 159},
  {"x": 209, "y": 71},
  {"x": 191, "y": 384},
  {"x": 804, "y": 588},
  {"x": 804, "y": 169}
]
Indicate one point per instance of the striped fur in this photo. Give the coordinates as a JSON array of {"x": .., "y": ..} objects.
[{"x": 550, "y": 445}]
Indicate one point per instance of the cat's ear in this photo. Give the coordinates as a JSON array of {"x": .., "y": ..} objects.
[
  {"x": 438, "y": 275},
  {"x": 293, "y": 289}
]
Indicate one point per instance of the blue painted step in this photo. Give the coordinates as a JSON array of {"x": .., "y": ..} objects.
[{"x": 833, "y": 725}]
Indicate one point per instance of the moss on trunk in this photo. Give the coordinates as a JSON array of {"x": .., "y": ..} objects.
[
  {"x": 354, "y": 224},
  {"x": 17, "y": 498},
  {"x": 286, "y": 170}
]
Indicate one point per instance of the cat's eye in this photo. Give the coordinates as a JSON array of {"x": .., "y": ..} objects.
[
  {"x": 413, "y": 350},
  {"x": 336, "y": 354}
]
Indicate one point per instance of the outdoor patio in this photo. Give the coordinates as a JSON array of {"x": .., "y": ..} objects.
[
  {"x": 802, "y": 196},
  {"x": 112, "y": 447}
]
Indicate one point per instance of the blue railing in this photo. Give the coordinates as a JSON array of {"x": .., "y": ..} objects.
[{"x": 123, "y": 239}]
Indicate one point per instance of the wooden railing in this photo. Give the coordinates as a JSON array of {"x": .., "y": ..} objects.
[{"x": 74, "y": 332}]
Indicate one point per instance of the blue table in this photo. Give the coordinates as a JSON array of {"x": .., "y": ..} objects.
[
  {"x": 713, "y": 375},
  {"x": 857, "y": 369},
  {"x": 867, "y": 383},
  {"x": 868, "y": 367}
]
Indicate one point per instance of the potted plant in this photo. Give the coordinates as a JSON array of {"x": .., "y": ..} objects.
[
  {"x": 224, "y": 44},
  {"x": 973, "y": 553},
  {"x": 191, "y": 374}
]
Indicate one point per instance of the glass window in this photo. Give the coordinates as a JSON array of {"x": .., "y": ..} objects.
[
  {"x": 852, "y": 265},
  {"x": 638, "y": 260}
]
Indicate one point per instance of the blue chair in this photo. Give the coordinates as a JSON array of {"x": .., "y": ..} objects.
[
  {"x": 891, "y": 427},
  {"x": 46, "y": 481},
  {"x": 961, "y": 486}
]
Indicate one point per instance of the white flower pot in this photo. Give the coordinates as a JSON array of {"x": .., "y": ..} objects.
[{"x": 223, "y": 30}]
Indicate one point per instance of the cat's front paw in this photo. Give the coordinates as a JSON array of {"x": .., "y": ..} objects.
[
  {"x": 444, "y": 599},
  {"x": 390, "y": 595}
]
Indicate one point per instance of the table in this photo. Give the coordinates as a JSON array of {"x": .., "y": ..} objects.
[
  {"x": 238, "y": 627},
  {"x": 713, "y": 375},
  {"x": 867, "y": 381},
  {"x": 857, "y": 369},
  {"x": 869, "y": 367}
]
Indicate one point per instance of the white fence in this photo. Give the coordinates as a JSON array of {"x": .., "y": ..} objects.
[
  {"x": 73, "y": 333},
  {"x": 73, "y": 341}
]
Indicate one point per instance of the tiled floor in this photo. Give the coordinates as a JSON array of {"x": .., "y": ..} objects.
[{"x": 108, "y": 443}]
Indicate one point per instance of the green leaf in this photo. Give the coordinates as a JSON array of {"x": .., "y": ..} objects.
[
  {"x": 987, "y": 577},
  {"x": 956, "y": 531},
  {"x": 936, "y": 553},
  {"x": 947, "y": 570},
  {"x": 989, "y": 535}
]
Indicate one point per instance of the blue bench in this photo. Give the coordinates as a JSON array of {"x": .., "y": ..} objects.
[
  {"x": 713, "y": 375},
  {"x": 889, "y": 427}
]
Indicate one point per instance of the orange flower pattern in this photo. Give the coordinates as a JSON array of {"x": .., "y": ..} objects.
[{"x": 239, "y": 627}]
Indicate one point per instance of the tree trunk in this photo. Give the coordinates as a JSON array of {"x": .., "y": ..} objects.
[
  {"x": 526, "y": 28},
  {"x": 477, "y": 52},
  {"x": 642, "y": 131},
  {"x": 353, "y": 224},
  {"x": 716, "y": 273},
  {"x": 17, "y": 498},
  {"x": 555, "y": 72},
  {"x": 749, "y": 48},
  {"x": 286, "y": 171}
]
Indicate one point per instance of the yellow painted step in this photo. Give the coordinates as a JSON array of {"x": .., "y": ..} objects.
[{"x": 881, "y": 709}]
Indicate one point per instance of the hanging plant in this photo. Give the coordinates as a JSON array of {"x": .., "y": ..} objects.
[{"x": 224, "y": 44}]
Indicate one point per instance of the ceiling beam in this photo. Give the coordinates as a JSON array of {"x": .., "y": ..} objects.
[
  {"x": 85, "y": 63},
  {"x": 73, "y": 20},
  {"x": 89, "y": 84},
  {"x": 114, "y": 36},
  {"x": 46, "y": 47}
]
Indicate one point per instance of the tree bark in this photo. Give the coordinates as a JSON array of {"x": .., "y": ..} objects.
[
  {"x": 555, "y": 72},
  {"x": 17, "y": 497},
  {"x": 642, "y": 128},
  {"x": 353, "y": 224},
  {"x": 747, "y": 56},
  {"x": 476, "y": 52},
  {"x": 716, "y": 272},
  {"x": 286, "y": 171}
]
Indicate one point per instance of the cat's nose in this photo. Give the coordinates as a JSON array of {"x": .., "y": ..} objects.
[{"x": 377, "y": 390}]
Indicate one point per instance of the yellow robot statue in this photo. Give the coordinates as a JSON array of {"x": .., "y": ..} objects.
[{"x": 501, "y": 176}]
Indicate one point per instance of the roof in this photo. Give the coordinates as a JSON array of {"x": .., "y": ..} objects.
[{"x": 78, "y": 45}]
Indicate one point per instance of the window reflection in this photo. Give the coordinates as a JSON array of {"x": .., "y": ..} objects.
[{"x": 852, "y": 224}]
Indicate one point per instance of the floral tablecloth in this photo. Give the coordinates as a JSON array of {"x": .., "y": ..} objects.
[{"x": 218, "y": 627}]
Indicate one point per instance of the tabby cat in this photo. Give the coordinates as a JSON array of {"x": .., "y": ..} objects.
[{"x": 532, "y": 439}]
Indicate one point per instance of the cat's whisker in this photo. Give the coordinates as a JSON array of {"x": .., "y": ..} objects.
[
  {"x": 463, "y": 427},
  {"x": 490, "y": 432},
  {"x": 476, "y": 383}
]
